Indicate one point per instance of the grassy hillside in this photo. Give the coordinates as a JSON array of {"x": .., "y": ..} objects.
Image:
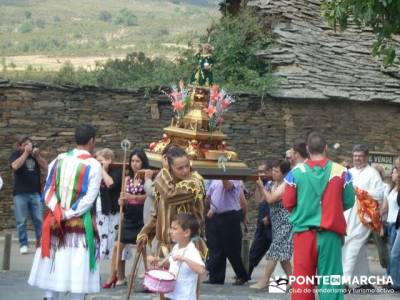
[
  {"x": 100, "y": 27},
  {"x": 120, "y": 31}
]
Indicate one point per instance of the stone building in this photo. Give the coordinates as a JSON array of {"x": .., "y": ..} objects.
[
  {"x": 329, "y": 82},
  {"x": 316, "y": 63}
]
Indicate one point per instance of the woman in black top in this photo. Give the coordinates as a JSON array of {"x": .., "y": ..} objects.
[{"x": 107, "y": 208}]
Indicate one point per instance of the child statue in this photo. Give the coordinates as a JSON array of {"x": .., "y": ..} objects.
[{"x": 203, "y": 74}]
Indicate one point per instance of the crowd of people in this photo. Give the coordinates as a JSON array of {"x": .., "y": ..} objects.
[{"x": 315, "y": 217}]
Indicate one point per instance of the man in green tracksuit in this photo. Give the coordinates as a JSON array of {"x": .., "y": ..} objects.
[{"x": 316, "y": 193}]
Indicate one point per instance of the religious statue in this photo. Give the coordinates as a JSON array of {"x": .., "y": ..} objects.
[{"x": 203, "y": 74}]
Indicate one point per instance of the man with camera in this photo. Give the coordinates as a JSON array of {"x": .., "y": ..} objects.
[{"x": 27, "y": 162}]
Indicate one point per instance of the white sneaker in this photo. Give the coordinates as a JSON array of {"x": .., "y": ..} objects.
[{"x": 23, "y": 250}]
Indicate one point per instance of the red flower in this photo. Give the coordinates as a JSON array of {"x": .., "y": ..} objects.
[
  {"x": 221, "y": 95},
  {"x": 210, "y": 110},
  {"x": 225, "y": 103},
  {"x": 214, "y": 93},
  {"x": 178, "y": 105}
]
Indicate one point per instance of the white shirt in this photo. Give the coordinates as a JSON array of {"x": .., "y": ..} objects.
[
  {"x": 393, "y": 206},
  {"x": 386, "y": 189},
  {"x": 186, "y": 282},
  {"x": 369, "y": 180},
  {"x": 1, "y": 183}
]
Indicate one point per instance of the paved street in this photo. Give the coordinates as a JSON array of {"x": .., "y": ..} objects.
[{"x": 13, "y": 283}]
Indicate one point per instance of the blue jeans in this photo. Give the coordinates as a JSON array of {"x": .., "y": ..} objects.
[
  {"x": 395, "y": 260},
  {"x": 391, "y": 233},
  {"x": 24, "y": 203}
]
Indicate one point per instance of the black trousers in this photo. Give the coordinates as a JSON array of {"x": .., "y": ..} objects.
[
  {"x": 224, "y": 241},
  {"x": 262, "y": 238},
  {"x": 260, "y": 245}
]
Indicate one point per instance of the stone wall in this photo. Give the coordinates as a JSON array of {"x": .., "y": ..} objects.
[{"x": 257, "y": 128}]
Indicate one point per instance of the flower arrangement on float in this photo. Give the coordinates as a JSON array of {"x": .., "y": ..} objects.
[
  {"x": 180, "y": 99},
  {"x": 218, "y": 103}
]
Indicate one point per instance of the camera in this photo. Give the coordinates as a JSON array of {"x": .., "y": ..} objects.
[{"x": 34, "y": 145}]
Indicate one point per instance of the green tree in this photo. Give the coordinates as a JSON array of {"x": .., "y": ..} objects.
[
  {"x": 126, "y": 17},
  {"x": 105, "y": 16},
  {"x": 3, "y": 64},
  {"x": 66, "y": 74},
  {"x": 236, "y": 40},
  {"x": 41, "y": 23},
  {"x": 12, "y": 65},
  {"x": 26, "y": 27},
  {"x": 232, "y": 7},
  {"x": 28, "y": 14},
  {"x": 383, "y": 16},
  {"x": 138, "y": 70}
]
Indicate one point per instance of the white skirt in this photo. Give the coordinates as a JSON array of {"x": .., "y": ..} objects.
[
  {"x": 66, "y": 270},
  {"x": 107, "y": 225}
]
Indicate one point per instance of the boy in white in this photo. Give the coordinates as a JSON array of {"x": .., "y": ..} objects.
[{"x": 185, "y": 261}]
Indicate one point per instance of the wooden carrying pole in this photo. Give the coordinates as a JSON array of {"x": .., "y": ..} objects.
[
  {"x": 125, "y": 144},
  {"x": 140, "y": 252}
]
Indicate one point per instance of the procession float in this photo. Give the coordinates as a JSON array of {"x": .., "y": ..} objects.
[{"x": 198, "y": 108}]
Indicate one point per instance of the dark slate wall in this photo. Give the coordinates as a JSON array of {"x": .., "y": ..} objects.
[{"x": 256, "y": 128}]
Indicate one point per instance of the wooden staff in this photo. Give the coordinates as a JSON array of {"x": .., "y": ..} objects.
[
  {"x": 140, "y": 252},
  {"x": 125, "y": 145}
]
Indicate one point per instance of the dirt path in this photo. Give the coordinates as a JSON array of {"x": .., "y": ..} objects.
[{"x": 52, "y": 63}]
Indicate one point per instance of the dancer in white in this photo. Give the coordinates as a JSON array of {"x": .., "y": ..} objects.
[
  {"x": 66, "y": 260},
  {"x": 369, "y": 196}
]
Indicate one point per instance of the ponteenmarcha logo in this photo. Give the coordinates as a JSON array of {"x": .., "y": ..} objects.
[{"x": 277, "y": 285}]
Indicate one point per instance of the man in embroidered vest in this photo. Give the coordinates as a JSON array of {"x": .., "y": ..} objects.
[
  {"x": 316, "y": 193},
  {"x": 364, "y": 216},
  {"x": 66, "y": 261}
]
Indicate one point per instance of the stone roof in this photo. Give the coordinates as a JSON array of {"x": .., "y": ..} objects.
[{"x": 314, "y": 62}]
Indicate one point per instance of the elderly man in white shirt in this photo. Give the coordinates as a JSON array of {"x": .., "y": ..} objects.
[{"x": 366, "y": 179}]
